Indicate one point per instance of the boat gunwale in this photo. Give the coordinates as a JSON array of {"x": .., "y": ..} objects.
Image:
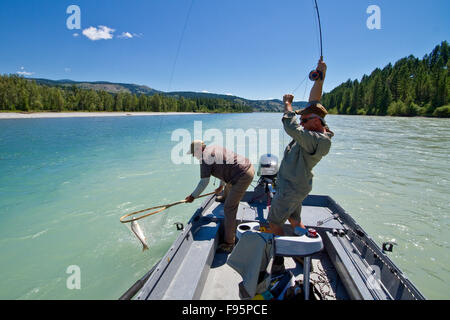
[{"x": 167, "y": 259}]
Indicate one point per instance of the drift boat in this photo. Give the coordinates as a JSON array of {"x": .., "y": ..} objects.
[{"x": 341, "y": 261}]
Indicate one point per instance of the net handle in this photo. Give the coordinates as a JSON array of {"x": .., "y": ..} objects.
[{"x": 155, "y": 210}]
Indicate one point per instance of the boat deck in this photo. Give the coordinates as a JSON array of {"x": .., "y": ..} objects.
[
  {"x": 345, "y": 269},
  {"x": 222, "y": 282}
]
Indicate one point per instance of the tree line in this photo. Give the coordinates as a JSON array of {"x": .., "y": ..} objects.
[
  {"x": 20, "y": 94},
  {"x": 412, "y": 87}
]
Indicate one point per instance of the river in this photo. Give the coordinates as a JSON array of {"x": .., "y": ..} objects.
[{"x": 65, "y": 182}]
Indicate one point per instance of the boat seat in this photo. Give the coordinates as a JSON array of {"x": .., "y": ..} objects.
[
  {"x": 297, "y": 246},
  {"x": 300, "y": 246}
]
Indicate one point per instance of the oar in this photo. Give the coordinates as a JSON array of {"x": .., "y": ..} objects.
[{"x": 156, "y": 210}]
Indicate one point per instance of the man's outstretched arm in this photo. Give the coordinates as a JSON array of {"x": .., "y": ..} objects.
[{"x": 316, "y": 91}]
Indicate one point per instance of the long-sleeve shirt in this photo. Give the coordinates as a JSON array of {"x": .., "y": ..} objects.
[
  {"x": 202, "y": 186},
  {"x": 222, "y": 164},
  {"x": 300, "y": 157}
]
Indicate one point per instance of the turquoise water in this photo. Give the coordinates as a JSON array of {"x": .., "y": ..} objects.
[{"x": 64, "y": 183}]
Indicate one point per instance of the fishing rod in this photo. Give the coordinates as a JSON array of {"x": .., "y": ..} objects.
[{"x": 316, "y": 75}]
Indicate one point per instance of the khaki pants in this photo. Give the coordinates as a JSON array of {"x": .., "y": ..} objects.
[
  {"x": 284, "y": 208},
  {"x": 233, "y": 195}
]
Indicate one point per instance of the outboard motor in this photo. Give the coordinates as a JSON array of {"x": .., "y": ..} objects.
[
  {"x": 268, "y": 166},
  {"x": 267, "y": 171}
]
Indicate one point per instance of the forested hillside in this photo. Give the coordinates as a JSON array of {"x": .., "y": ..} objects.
[
  {"x": 40, "y": 95},
  {"x": 20, "y": 94},
  {"x": 410, "y": 87}
]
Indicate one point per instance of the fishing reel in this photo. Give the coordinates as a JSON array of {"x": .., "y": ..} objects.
[{"x": 316, "y": 75}]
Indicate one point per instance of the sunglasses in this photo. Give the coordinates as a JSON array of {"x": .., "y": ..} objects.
[{"x": 305, "y": 120}]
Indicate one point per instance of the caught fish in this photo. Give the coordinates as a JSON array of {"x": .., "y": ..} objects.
[{"x": 139, "y": 234}]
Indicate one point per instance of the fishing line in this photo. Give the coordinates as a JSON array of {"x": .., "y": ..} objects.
[
  {"x": 159, "y": 209},
  {"x": 164, "y": 223},
  {"x": 301, "y": 83},
  {"x": 180, "y": 42},
  {"x": 304, "y": 93},
  {"x": 175, "y": 63},
  {"x": 179, "y": 45}
]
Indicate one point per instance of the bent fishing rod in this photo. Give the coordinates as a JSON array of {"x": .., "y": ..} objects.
[{"x": 316, "y": 75}]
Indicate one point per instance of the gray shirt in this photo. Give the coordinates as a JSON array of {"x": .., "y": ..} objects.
[{"x": 300, "y": 157}]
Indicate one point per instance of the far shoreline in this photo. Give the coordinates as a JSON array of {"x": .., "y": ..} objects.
[
  {"x": 47, "y": 115},
  {"x": 5, "y": 115}
]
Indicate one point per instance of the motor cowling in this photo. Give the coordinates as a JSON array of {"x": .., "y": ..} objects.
[
  {"x": 267, "y": 171},
  {"x": 268, "y": 166}
]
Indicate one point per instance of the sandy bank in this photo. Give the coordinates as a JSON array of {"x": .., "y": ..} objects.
[{"x": 13, "y": 115}]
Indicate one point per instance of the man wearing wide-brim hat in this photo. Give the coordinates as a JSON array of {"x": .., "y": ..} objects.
[
  {"x": 235, "y": 172},
  {"x": 311, "y": 140}
]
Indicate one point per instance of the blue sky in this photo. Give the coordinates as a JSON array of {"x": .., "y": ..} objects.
[{"x": 257, "y": 49}]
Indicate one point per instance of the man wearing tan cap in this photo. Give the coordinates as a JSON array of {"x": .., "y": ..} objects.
[
  {"x": 311, "y": 141},
  {"x": 234, "y": 171}
]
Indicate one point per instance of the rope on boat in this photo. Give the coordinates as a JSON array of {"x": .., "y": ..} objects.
[
  {"x": 155, "y": 210},
  {"x": 323, "y": 284}
]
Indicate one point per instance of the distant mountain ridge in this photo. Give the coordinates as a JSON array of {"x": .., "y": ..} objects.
[
  {"x": 99, "y": 85},
  {"x": 275, "y": 105}
]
